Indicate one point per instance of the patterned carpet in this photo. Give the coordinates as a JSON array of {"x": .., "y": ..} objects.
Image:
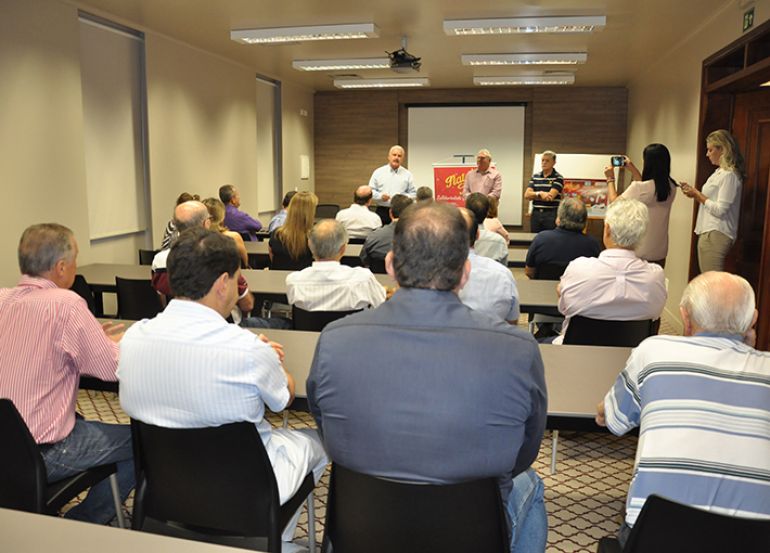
[{"x": 584, "y": 498}]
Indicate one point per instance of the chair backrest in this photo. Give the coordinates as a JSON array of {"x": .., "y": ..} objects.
[
  {"x": 665, "y": 526},
  {"x": 316, "y": 320},
  {"x": 356, "y": 240},
  {"x": 146, "y": 256},
  {"x": 82, "y": 289},
  {"x": 23, "y": 478},
  {"x": 584, "y": 331},
  {"x": 377, "y": 266},
  {"x": 365, "y": 513},
  {"x": 136, "y": 299},
  {"x": 246, "y": 236},
  {"x": 550, "y": 271},
  {"x": 215, "y": 480},
  {"x": 326, "y": 211}
]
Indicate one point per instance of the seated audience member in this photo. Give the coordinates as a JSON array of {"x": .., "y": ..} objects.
[
  {"x": 359, "y": 221},
  {"x": 703, "y": 400},
  {"x": 235, "y": 219},
  {"x": 327, "y": 285},
  {"x": 617, "y": 285},
  {"x": 280, "y": 217},
  {"x": 380, "y": 242},
  {"x": 424, "y": 194},
  {"x": 170, "y": 232},
  {"x": 288, "y": 247},
  {"x": 187, "y": 216},
  {"x": 189, "y": 368},
  {"x": 216, "y": 211},
  {"x": 49, "y": 339},
  {"x": 488, "y": 244},
  {"x": 491, "y": 287},
  {"x": 492, "y": 223},
  {"x": 418, "y": 397},
  {"x": 564, "y": 243}
]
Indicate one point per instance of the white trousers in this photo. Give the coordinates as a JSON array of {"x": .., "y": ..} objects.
[{"x": 294, "y": 453}]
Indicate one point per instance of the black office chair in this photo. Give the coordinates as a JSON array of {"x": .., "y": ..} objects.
[
  {"x": 665, "y": 526},
  {"x": 316, "y": 320},
  {"x": 212, "y": 484},
  {"x": 146, "y": 256},
  {"x": 246, "y": 236},
  {"x": 137, "y": 299},
  {"x": 326, "y": 211},
  {"x": 550, "y": 271},
  {"x": 23, "y": 482},
  {"x": 377, "y": 266},
  {"x": 82, "y": 289},
  {"x": 365, "y": 513},
  {"x": 356, "y": 240},
  {"x": 584, "y": 331}
]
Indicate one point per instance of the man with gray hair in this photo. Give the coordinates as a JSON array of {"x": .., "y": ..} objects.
[
  {"x": 49, "y": 339},
  {"x": 327, "y": 285},
  {"x": 543, "y": 191},
  {"x": 617, "y": 285},
  {"x": 703, "y": 400},
  {"x": 564, "y": 243},
  {"x": 484, "y": 178}
]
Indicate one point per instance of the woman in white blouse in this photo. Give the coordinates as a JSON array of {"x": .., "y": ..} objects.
[
  {"x": 720, "y": 201},
  {"x": 655, "y": 188}
]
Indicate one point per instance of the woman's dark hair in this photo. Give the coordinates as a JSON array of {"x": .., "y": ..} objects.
[{"x": 657, "y": 167}]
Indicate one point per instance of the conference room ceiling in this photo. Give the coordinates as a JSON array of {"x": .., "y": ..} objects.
[{"x": 637, "y": 33}]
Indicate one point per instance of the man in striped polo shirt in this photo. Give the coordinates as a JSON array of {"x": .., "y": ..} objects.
[
  {"x": 702, "y": 402},
  {"x": 544, "y": 191}
]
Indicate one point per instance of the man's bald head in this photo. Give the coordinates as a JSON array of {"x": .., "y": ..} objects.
[
  {"x": 189, "y": 215},
  {"x": 363, "y": 195},
  {"x": 718, "y": 302},
  {"x": 327, "y": 240}
]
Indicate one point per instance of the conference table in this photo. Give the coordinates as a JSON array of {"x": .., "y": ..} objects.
[
  {"x": 22, "y": 532},
  {"x": 534, "y": 295}
]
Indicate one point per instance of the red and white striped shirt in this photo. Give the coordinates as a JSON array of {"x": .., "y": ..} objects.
[{"x": 48, "y": 338}]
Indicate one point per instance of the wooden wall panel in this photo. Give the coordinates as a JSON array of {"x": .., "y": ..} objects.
[{"x": 353, "y": 130}]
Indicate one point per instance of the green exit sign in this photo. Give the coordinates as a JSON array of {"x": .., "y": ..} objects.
[{"x": 748, "y": 19}]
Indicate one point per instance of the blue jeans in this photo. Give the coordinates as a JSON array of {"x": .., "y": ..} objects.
[
  {"x": 93, "y": 443},
  {"x": 526, "y": 509}
]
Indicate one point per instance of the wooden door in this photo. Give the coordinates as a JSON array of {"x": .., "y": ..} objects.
[{"x": 751, "y": 254}]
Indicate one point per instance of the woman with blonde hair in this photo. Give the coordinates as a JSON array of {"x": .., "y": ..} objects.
[
  {"x": 217, "y": 214},
  {"x": 288, "y": 245},
  {"x": 720, "y": 201}
]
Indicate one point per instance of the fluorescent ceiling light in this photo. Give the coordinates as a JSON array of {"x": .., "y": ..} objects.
[
  {"x": 341, "y": 64},
  {"x": 554, "y": 58},
  {"x": 278, "y": 35},
  {"x": 504, "y": 26},
  {"x": 381, "y": 83},
  {"x": 526, "y": 80},
  {"x": 765, "y": 84}
]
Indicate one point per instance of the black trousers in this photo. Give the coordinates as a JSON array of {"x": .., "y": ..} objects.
[{"x": 542, "y": 219}]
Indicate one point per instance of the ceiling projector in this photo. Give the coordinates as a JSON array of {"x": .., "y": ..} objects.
[{"x": 402, "y": 61}]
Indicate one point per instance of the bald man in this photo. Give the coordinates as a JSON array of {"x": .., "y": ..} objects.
[
  {"x": 704, "y": 402},
  {"x": 389, "y": 180},
  {"x": 358, "y": 220}
]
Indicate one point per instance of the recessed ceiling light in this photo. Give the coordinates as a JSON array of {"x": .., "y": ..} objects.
[
  {"x": 341, "y": 64},
  {"x": 381, "y": 83},
  {"x": 278, "y": 35},
  {"x": 504, "y": 26},
  {"x": 526, "y": 80},
  {"x": 551, "y": 58}
]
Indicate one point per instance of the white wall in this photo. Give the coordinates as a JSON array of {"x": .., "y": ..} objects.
[{"x": 664, "y": 103}]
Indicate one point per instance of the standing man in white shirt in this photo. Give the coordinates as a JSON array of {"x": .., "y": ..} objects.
[
  {"x": 358, "y": 220},
  {"x": 327, "y": 285},
  {"x": 484, "y": 178},
  {"x": 389, "y": 180}
]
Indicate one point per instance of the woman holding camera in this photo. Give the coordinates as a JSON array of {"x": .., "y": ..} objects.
[
  {"x": 720, "y": 201},
  {"x": 655, "y": 188}
]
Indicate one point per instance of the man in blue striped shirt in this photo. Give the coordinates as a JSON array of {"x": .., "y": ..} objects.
[{"x": 702, "y": 402}]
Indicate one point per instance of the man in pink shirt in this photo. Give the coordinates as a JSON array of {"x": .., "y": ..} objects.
[
  {"x": 617, "y": 285},
  {"x": 49, "y": 339},
  {"x": 484, "y": 178}
]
